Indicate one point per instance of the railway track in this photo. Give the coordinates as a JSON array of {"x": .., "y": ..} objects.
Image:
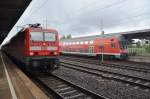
[
  {"x": 106, "y": 64},
  {"x": 62, "y": 89},
  {"x": 135, "y": 81}
]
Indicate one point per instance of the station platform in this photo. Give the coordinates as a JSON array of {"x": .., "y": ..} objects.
[
  {"x": 144, "y": 59},
  {"x": 14, "y": 84}
]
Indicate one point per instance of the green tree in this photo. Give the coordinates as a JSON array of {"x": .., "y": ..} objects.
[
  {"x": 147, "y": 48},
  {"x": 63, "y": 37},
  {"x": 68, "y": 36},
  {"x": 138, "y": 44}
]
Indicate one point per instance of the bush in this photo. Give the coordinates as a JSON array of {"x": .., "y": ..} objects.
[{"x": 147, "y": 48}]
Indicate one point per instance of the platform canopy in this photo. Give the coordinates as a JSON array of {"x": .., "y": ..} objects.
[
  {"x": 137, "y": 34},
  {"x": 10, "y": 11}
]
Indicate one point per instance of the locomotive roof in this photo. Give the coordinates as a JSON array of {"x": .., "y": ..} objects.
[
  {"x": 91, "y": 37},
  {"x": 34, "y": 28}
]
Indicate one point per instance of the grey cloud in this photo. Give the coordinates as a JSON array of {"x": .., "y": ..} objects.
[{"x": 83, "y": 16}]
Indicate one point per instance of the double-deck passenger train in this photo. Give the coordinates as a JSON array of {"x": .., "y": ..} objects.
[
  {"x": 111, "y": 46},
  {"x": 35, "y": 48}
]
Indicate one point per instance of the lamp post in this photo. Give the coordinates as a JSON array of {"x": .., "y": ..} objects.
[
  {"x": 102, "y": 43},
  {"x": 102, "y": 51},
  {"x": 102, "y": 46}
]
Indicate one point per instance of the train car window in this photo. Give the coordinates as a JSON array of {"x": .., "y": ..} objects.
[
  {"x": 112, "y": 45},
  {"x": 68, "y": 43},
  {"x": 50, "y": 36},
  {"x": 80, "y": 43},
  {"x": 91, "y": 42},
  {"x": 86, "y": 42},
  {"x": 36, "y": 36}
]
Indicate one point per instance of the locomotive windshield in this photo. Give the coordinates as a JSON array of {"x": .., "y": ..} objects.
[
  {"x": 50, "y": 37},
  {"x": 42, "y": 36},
  {"x": 36, "y": 36},
  {"x": 123, "y": 44}
]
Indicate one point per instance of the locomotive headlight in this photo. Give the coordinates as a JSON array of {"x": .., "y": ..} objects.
[{"x": 31, "y": 53}]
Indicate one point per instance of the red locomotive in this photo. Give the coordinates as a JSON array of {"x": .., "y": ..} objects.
[
  {"x": 111, "y": 46},
  {"x": 35, "y": 47}
]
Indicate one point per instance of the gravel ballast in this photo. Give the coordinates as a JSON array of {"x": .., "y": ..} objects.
[{"x": 109, "y": 88}]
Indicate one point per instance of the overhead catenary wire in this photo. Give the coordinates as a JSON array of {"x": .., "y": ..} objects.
[
  {"x": 123, "y": 20},
  {"x": 40, "y": 7},
  {"x": 36, "y": 10},
  {"x": 99, "y": 9},
  {"x": 44, "y": 3},
  {"x": 104, "y": 7}
]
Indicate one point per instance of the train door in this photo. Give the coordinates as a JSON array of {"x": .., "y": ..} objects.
[{"x": 91, "y": 49}]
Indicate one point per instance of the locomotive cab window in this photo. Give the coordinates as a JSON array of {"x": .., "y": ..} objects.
[
  {"x": 42, "y": 36},
  {"x": 36, "y": 36},
  {"x": 49, "y": 36}
]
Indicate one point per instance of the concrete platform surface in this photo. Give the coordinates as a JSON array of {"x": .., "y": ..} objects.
[
  {"x": 4, "y": 86},
  {"x": 14, "y": 84},
  {"x": 144, "y": 59}
]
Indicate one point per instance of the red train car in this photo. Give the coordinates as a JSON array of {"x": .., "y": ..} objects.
[
  {"x": 111, "y": 46},
  {"x": 35, "y": 47}
]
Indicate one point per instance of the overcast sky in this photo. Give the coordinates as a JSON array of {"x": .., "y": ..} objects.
[{"x": 83, "y": 17}]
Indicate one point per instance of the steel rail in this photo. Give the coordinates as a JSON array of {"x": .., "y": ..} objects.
[
  {"x": 127, "y": 67},
  {"x": 60, "y": 87},
  {"x": 143, "y": 83}
]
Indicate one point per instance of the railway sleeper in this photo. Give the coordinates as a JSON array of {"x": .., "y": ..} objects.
[{"x": 143, "y": 84}]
